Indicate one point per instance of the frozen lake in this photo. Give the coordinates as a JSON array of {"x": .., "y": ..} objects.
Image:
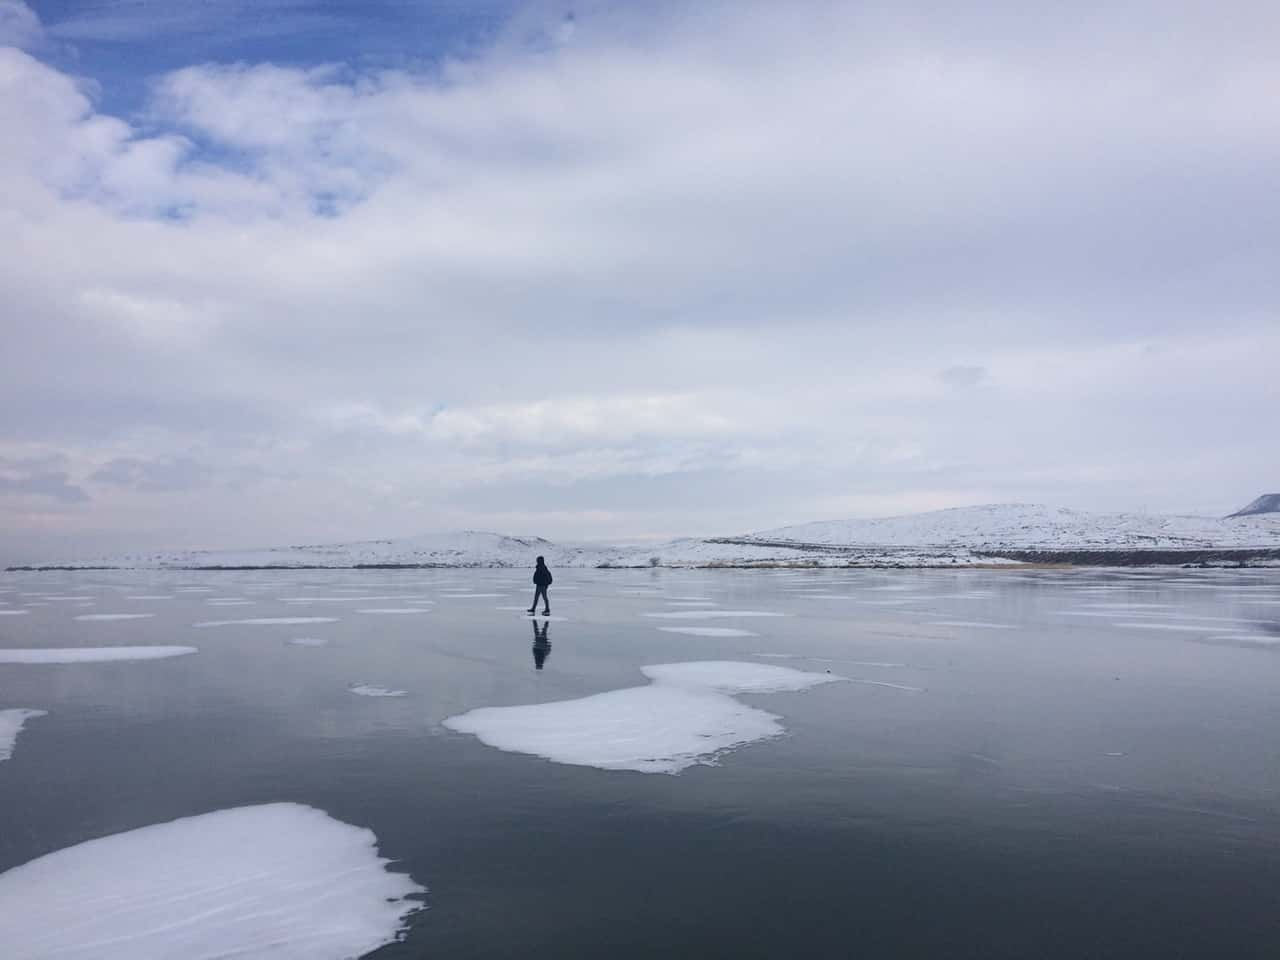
[{"x": 976, "y": 763}]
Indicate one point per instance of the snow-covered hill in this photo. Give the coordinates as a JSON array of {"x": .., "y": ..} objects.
[
  {"x": 1267, "y": 503},
  {"x": 1031, "y": 526},
  {"x": 964, "y": 535}
]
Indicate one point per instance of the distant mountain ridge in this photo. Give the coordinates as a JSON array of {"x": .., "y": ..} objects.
[{"x": 1267, "y": 503}]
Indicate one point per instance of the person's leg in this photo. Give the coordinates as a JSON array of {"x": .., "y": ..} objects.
[
  {"x": 537, "y": 589},
  {"x": 546, "y": 603}
]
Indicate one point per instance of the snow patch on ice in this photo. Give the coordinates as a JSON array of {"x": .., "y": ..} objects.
[
  {"x": 266, "y": 621},
  {"x": 11, "y": 722},
  {"x": 976, "y": 624},
  {"x": 369, "y": 690},
  {"x": 393, "y": 610},
  {"x": 280, "y": 880},
  {"x": 13, "y": 613},
  {"x": 710, "y": 614},
  {"x": 1255, "y": 640},
  {"x": 90, "y": 654},
  {"x": 685, "y": 716},
  {"x": 113, "y": 616},
  {"x": 884, "y": 683},
  {"x": 1152, "y": 625},
  {"x": 309, "y": 642},
  {"x": 401, "y": 597},
  {"x": 710, "y": 631}
]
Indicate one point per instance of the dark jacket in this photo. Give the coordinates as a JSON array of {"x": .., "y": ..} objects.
[{"x": 542, "y": 576}]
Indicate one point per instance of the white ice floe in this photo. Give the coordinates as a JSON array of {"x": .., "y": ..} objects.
[
  {"x": 113, "y": 616},
  {"x": 266, "y": 621},
  {"x": 393, "y": 610},
  {"x": 710, "y": 614},
  {"x": 710, "y": 631},
  {"x": 90, "y": 654},
  {"x": 13, "y": 613},
  {"x": 685, "y": 716},
  {"x": 11, "y": 722},
  {"x": 309, "y": 642},
  {"x": 281, "y": 880},
  {"x": 369, "y": 690}
]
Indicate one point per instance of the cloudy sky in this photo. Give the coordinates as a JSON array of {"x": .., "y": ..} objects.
[{"x": 280, "y": 271}]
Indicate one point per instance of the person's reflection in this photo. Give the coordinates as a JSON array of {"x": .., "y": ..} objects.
[{"x": 541, "y": 644}]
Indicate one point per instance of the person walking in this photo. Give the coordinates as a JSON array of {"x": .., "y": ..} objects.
[{"x": 541, "y": 580}]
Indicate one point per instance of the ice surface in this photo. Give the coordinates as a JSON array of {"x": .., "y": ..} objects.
[
  {"x": 266, "y": 621},
  {"x": 13, "y": 613},
  {"x": 11, "y": 722},
  {"x": 281, "y": 880},
  {"x": 309, "y": 642},
  {"x": 884, "y": 683},
  {"x": 90, "y": 654},
  {"x": 369, "y": 690},
  {"x": 1128, "y": 606},
  {"x": 1244, "y": 640},
  {"x": 113, "y": 616},
  {"x": 150, "y": 596},
  {"x": 710, "y": 631},
  {"x": 393, "y": 610},
  {"x": 977, "y": 624},
  {"x": 685, "y": 716},
  {"x": 375, "y": 599},
  {"x": 1151, "y": 625},
  {"x": 711, "y": 614}
]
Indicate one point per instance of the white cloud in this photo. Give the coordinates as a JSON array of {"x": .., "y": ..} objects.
[
  {"x": 752, "y": 251},
  {"x": 19, "y": 25}
]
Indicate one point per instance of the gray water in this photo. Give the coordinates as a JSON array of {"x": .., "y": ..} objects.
[{"x": 1036, "y": 763}]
